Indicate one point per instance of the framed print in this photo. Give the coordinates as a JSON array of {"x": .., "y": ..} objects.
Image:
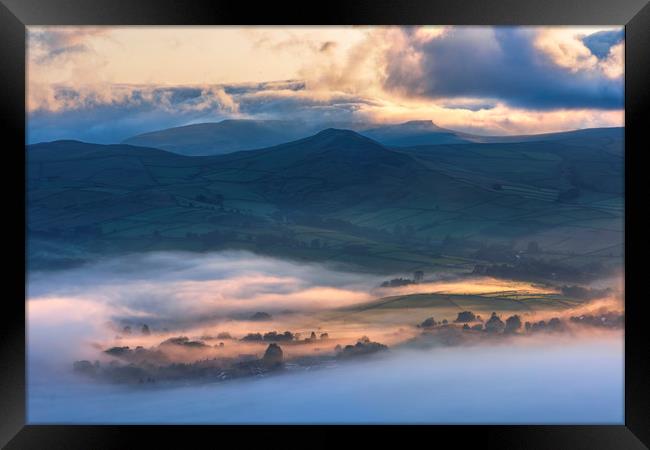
[{"x": 399, "y": 217}]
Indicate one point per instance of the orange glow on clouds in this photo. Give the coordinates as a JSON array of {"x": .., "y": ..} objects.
[{"x": 105, "y": 64}]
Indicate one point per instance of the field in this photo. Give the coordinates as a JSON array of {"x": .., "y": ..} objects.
[
  {"x": 339, "y": 197},
  {"x": 413, "y": 308}
]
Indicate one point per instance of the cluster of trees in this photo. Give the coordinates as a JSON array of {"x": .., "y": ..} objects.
[
  {"x": 604, "y": 320},
  {"x": 418, "y": 277},
  {"x": 287, "y": 336},
  {"x": 466, "y": 316},
  {"x": 430, "y": 322},
  {"x": 397, "y": 282},
  {"x": 513, "y": 324},
  {"x": 528, "y": 268},
  {"x": 554, "y": 324},
  {"x": 364, "y": 346},
  {"x": 138, "y": 355},
  {"x": 271, "y": 336},
  {"x": 185, "y": 342}
]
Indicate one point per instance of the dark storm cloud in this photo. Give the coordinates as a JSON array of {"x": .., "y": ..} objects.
[
  {"x": 271, "y": 105},
  {"x": 599, "y": 43},
  {"x": 131, "y": 110},
  {"x": 499, "y": 63},
  {"x": 97, "y": 117},
  {"x": 105, "y": 124},
  {"x": 472, "y": 106},
  {"x": 287, "y": 85}
]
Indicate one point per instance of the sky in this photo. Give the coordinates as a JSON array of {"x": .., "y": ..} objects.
[{"x": 105, "y": 84}]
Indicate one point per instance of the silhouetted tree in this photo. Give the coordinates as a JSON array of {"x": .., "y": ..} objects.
[
  {"x": 494, "y": 324},
  {"x": 513, "y": 324}
]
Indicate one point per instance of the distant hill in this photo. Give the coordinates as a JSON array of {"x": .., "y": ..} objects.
[
  {"x": 425, "y": 132},
  {"x": 420, "y": 132},
  {"x": 578, "y": 136},
  {"x": 232, "y": 135},
  {"x": 221, "y": 137},
  {"x": 229, "y": 136}
]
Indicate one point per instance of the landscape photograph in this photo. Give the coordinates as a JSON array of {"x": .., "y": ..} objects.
[{"x": 325, "y": 225}]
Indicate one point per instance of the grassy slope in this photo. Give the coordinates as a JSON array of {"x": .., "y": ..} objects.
[{"x": 141, "y": 198}]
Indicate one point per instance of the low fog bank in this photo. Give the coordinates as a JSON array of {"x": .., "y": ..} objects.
[
  {"x": 126, "y": 309},
  {"x": 298, "y": 343},
  {"x": 554, "y": 382},
  {"x": 175, "y": 289}
]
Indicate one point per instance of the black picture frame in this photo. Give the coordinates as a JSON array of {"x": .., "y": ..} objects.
[{"x": 15, "y": 15}]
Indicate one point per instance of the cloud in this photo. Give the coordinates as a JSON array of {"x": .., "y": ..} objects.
[
  {"x": 47, "y": 45},
  {"x": 490, "y": 80},
  {"x": 521, "y": 67},
  {"x": 614, "y": 64},
  {"x": 601, "y": 42},
  {"x": 470, "y": 105},
  {"x": 310, "y": 106},
  {"x": 117, "y": 112}
]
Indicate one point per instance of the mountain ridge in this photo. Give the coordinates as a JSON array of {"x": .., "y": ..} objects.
[{"x": 231, "y": 135}]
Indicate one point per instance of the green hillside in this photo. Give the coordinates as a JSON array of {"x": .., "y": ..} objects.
[{"x": 336, "y": 197}]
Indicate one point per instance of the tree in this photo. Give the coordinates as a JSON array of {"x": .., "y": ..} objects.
[
  {"x": 465, "y": 316},
  {"x": 428, "y": 323},
  {"x": 273, "y": 355},
  {"x": 513, "y": 324},
  {"x": 494, "y": 324}
]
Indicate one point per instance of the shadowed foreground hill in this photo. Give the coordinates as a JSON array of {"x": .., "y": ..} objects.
[{"x": 335, "y": 196}]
